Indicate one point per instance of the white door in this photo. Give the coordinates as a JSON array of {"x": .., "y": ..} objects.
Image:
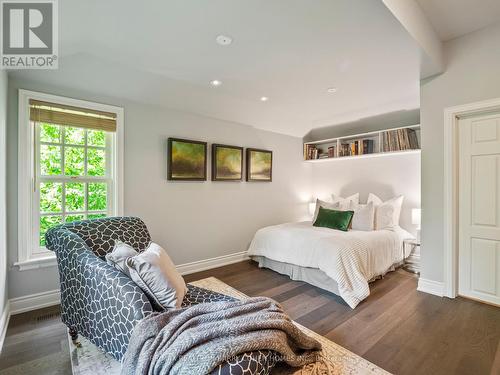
[{"x": 479, "y": 207}]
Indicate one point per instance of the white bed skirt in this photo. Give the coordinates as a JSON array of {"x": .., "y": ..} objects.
[{"x": 311, "y": 276}]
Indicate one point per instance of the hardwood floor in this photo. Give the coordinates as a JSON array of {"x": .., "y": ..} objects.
[{"x": 397, "y": 328}]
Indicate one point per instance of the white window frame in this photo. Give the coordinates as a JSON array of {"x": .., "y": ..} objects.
[{"x": 29, "y": 255}]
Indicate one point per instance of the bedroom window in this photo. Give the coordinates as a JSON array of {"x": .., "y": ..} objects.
[{"x": 69, "y": 155}]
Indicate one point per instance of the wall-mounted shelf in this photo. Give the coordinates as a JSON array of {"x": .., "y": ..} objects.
[
  {"x": 364, "y": 156},
  {"x": 385, "y": 142}
]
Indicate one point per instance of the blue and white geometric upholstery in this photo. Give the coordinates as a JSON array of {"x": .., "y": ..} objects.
[
  {"x": 104, "y": 305},
  {"x": 97, "y": 300}
]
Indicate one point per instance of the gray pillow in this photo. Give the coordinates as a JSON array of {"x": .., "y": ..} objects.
[
  {"x": 153, "y": 271},
  {"x": 119, "y": 255}
]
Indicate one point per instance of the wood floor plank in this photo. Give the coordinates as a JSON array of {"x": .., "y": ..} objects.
[
  {"x": 366, "y": 328},
  {"x": 398, "y": 328}
]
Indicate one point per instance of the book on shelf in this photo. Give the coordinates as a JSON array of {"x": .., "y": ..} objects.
[
  {"x": 367, "y": 147},
  {"x": 400, "y": 140},
  {"x": 356, "y": 147},
  {"x": 344, "y": 149},
  {"x": 352, "y": 150},
  {"x": 332, "y": 151},
  {"x": 311, "y": 152}
]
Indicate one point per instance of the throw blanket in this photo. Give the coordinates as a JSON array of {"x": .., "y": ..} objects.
[{"x": 196, "y": 339}]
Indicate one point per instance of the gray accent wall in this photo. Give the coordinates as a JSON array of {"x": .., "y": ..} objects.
[
  {"x": 473, "y": 74},
  {"x": 192, "y": 220}
]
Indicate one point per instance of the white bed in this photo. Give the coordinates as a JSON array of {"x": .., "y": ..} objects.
[{"x": 350, "y": 259}]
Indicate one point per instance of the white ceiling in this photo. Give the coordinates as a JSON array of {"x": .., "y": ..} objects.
[
  {"x": 454, "y": 18},
  {"x": 164, "y": 53}
]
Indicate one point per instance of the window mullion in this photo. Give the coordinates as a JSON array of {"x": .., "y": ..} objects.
[
  {"x": 63, "y": 171},
  {"x": 85, "y": 154},
  {"x": 85, "y": 172},
  {"x": 110, "y": 209},
  {"x": 86, "y": 199},
  {"x": 63, "y": 203},
  {"x": 63, "y": 151}
]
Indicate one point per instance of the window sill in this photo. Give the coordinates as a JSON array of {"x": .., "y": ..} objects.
[{"x": 31, "y": 264}]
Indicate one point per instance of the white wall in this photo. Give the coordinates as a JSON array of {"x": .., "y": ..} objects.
[
  {"x": 473, "y": 74},
  {"x": 203, "y": 220},
  {"x": 3, "y": 202},
  {"x": 387, "y": 176},
  {"x": 193, "y": 220}
]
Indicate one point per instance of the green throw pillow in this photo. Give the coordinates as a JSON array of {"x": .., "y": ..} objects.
[{"x": 333, "y": 219}]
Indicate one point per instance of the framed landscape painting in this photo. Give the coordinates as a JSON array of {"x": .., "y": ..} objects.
[
  {"x": 187, "y": 160},
  {"x": 259, "y": 165},
  {"x": 227, "y": 163}
]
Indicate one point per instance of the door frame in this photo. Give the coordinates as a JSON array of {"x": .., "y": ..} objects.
[{"x": 451, "y": 204}]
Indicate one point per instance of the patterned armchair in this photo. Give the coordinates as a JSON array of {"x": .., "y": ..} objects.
[
  {"x": 97, "y": 300},
  {"x": 103, "y": 304}
]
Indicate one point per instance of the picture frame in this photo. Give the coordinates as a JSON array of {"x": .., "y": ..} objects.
[
  {"x": 186, "y": 160},
  {"x": 227, "y": 162},
  {"x": 259, "y": 165}
]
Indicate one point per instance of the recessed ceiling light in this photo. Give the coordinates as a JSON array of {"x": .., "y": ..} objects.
[
  {"x": 224, "y": 40},
  {"x": 264, "y": 99},
  {"x": 332, "y": 90},
  {"x": 215, "y": 83}
]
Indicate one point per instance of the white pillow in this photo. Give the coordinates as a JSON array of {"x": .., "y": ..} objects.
[
  {"x": 345, "y": 203},
  {"x": 364, "y": 215},
  {"x": 324, "y": 204},
  {"x": 119, "y": 255},
  {"x": 386, "y": 213},
  {"x": 153, "y": 271}
]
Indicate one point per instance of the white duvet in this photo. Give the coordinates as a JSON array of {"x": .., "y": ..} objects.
[{"x": 350, "y": 258}]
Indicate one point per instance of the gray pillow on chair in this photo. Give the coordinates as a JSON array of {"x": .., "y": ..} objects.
[
  {"x": 118, "y": 257},
  {"x": 155, "y": 273}
]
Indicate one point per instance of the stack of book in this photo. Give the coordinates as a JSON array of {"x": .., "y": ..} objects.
[
  {"x": 332, "y": 151},
  {"x": 310, "y": 152},
  {"x": 367, "y": 146},
  {"x": 400, "y": 140},
  {"x": 345, "y": 149},
  {"x": 357, "y": 147}
]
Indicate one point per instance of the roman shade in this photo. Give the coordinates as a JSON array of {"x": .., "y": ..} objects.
[{"x": 60, "y": 114}]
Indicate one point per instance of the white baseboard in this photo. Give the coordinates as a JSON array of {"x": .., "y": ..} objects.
[
  {"x": 206, "y": 264},
  {"x": 4, "y": 322},
  {"x": 35, "y": 301},
  {"x": 53, "y": 297},
  {"x": 430, "y": 286}
]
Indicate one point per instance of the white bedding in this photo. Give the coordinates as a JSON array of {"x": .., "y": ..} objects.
[{"x": 350, "y": 258}]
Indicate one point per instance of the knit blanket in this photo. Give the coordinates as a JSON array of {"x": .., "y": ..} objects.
[{"x": 196, "y": 339}]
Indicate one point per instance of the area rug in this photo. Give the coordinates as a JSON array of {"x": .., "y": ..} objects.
[{"x": 336, "y": 360}]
